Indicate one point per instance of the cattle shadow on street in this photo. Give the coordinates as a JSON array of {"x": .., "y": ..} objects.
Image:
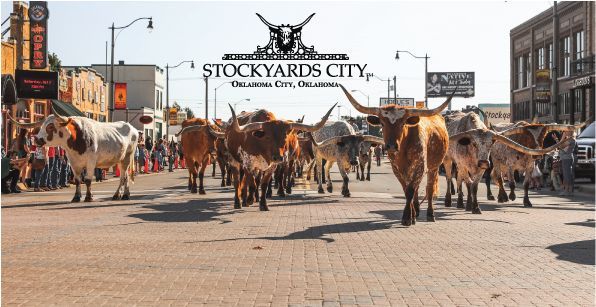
[
  {"x": 580, "y": 252},
  {"x": 98, "y": 204},
  {"x": 587, "y": 223},
  {"x": 36, "y": 204},
  {"x": 202, "y": 210}
]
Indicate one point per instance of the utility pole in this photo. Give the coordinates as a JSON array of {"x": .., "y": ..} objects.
[
  {"x": 426, "y": 81},
  {"x": 554, "y": 96},
  {"x": 206, "y": 98}
]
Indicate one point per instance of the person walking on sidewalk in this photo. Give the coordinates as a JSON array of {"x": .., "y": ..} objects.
[{"x": 567, "y": 156}]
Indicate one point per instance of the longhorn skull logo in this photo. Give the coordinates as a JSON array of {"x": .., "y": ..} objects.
[{"x": 285, "y": 39}]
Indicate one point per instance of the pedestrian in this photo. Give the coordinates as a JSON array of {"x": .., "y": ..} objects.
[
  {"x": 172, "y": 155},
  {"x": 567, "y": 156},
  {"x": 55, "y": 173},
  {"x": 142, "y": 158},
  {"x": 378, "y": 153},
  {"x": 10, "y": 172},
  {"x": 64, "y": 172},
  {"x": 39, "y": 166},
  {"x": 555, "y": 175}
]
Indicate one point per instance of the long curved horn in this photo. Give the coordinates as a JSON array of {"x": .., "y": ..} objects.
[
  {"x": 332, "y": 140},
  {"x": 529, "y": 151},
  {"x": 190, "y": 129},
  {"x": 267, "y": 23},
  {"x": 315, "y": 127},
  {"x": 217, "y": 134},
  {"x": 25, "y": 125},
  {"x": 434, "y": 111},
  {"x": 558, "y": 127},
  {"x": 359, "y": 107},
  {"x": 512, "y": 131},
  {"x": 460, "y": 135},
  {"x": 298, "y": 27},
  {"x": 312, "y": 139},
  {"x": 59, "y": 118},
  {"x": 373, "y": 139},
  {"x": 484, "y": 117},
  {"x": 245, "y": 128}
]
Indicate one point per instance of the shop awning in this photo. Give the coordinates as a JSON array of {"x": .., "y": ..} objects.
[
  {"x": 66, "y": 109},
  {"x": 9, "y": 90}
]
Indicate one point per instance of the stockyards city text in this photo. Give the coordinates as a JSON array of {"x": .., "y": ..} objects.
[{"x": 283, "y": 70}]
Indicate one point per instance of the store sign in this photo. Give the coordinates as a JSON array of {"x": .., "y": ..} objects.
[
  {"x": 120, "y": 96},
  {"x": 173, "y": 117},
  {"x": 404, "y": 102},
  {"x": 496, "y": 112},
  {"x": 583, "y": 81},
  {"x": 442, "y": 84},
  {"x": 37, "y": 84},
  {"x": 38, "y": 33},
  {"x": 543, "y": 83}
]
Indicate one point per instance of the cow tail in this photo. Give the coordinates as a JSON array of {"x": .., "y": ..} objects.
[{"x": 132, "y": 168}]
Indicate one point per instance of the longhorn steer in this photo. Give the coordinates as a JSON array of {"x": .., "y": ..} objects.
[
  {"x": 258, "y": 147},
  {"x": 330, "y": 130},
  {"x": 364, "y": 160},
  {"x": 469, "y": 148},
  {"x": 198, "y": 145},
  {"x": 507, "y": 160},
  {"x": 345, "y": 151},
  {"x": 416, "y": 142},
  {"x": 90, "y": 144}
]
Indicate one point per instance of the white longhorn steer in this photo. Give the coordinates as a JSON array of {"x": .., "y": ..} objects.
[{"x": 90, "y": 144}]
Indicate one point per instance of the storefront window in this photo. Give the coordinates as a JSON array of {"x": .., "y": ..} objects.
[
  {"x": 579, "y": 50},
  {"x": 564, "y": 106},
  {"x": 566, "y": 45},
  {"x": 520, "y": 72},
  {"x": 579, "y": 100},
  {"x": 540, "y": 58}
]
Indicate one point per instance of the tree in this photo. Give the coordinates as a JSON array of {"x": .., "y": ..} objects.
[
  {"x": 55, "y": 62},
  {"x": 176, "y": 106},
  {"x": 189, "y": 113}
]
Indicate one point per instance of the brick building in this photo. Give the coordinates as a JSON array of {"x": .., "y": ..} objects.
[
  {"x": 85, "y": 89},
  {"x": 552, "y": 65}
]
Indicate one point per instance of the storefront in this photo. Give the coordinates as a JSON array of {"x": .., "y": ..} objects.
[{"x": 581, "y": 99}]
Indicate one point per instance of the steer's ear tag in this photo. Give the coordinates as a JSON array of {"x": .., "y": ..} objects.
[
  {"x": 373, "y": 120},
  {"x": 413, "y": 120}
]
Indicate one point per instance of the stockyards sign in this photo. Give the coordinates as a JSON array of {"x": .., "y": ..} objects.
[
  {"x": 285, "y": 56},
  {"x": 496, "y": 112},
  {"x": 542, "y": 91},
  {"x": 442, "y": 84}
]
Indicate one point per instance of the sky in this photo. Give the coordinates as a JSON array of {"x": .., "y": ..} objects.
[{"x": 458, "y": 37}]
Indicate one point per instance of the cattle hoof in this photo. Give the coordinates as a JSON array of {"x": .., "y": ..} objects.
[
  {"x": 76, "y": 199},
  {"x": 88, "y": 199},
  {"x": 502, "y": 197},
  {"x": 126, "y": 197},
  {"x": 237, "y": 206},
  {"x": 512, "y": 196},
  {"x": 189, "y": 187},
  {"x": 476, "y": 211},
  {"x": 527, "y": 202},
  {"x": 367, "y": 178},
  {"x": 193, "y": 190},
  {"x": 460, "y": 203},
  {"x": 263, "y": 206},
  {"x": 321, "y": 191},
  {"x": 468, "y": 206},
  {"x": 406, "y": 222},
  {"x": 329, "y": 189},
  {"x": 115, "y": 197},
  {"x": 228, "y": 183},
  {"x": 288, "y": 190},
  {"x": 223, "y": 184},
  {"x": 430, "y": 218},
  {"x": 347, "y": 194},
  {"x": 448, "y": 202},
  {"x": 202, "y": 192},
  {"x": 490, "y": 197},
  {"x": 307, "y": 177}
]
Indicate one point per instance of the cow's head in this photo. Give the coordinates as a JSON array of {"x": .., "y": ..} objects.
[
  {"x": 269, "y": 138},
  {"x": 347, "y": 147},
  {"x": 475, "y": 145},
  {"x": 364, "y": 150},
  {"x": 540, "y": 131},
  {"x": 58, "y": 130},
  {"x": 285, "y": 34},
  {"x": 396, "y": 121}
]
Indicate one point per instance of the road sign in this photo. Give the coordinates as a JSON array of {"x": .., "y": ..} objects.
[{"x": 404, "y": 102}]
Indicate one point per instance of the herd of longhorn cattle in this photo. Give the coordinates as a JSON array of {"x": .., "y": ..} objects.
[{"x": 255, "y": 149}]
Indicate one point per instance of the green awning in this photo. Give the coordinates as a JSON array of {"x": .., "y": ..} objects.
[{"x": 66, "y": 109}]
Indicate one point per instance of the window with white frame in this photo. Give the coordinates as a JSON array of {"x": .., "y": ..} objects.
[{"x": 566, "y": 45}]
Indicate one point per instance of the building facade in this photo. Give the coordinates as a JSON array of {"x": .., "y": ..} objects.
[
  {"x": 145, "y": 89},
  {"x": 85, "y": 89},
  {"x": 552, "y": 65},
  {"x": 15, "y": 55}
]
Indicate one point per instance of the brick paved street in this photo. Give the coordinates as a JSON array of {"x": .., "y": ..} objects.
[{"x": 168, "y": 247}]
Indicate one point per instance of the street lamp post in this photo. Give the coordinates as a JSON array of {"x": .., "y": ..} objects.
[
  {"x": 192, "y": 66},
  {"x": 150, "y": 27},
  {"x": 215, "y": 99},
  {"x": 388, "y": 86},
  {"x": 425, "y": 57},
  {"x": 367, "y": 97}
]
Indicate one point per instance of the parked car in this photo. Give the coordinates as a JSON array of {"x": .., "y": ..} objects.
[{"x": 586, "y": 144}]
